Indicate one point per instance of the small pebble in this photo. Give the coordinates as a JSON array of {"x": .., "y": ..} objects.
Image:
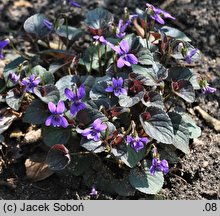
[{"x": 205, "y": 164}]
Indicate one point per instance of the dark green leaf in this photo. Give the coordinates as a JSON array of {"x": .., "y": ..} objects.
[
  {"x": 180, "y": 73},
  {"x": 106, "y": 181},
  {"x": 58, "y": 157},
  {"x": 48, "y": 93},
  {"x": 34, "y": 25},
  {"x": 181, "y": 132},
  {"x": 123, "y": 187},
  {"x": 36, "y": 113},
  {"x": 52, "y": 135},
  {"x": 157, "y": 124},
  {"x": 168, "y": 152},
  {"x": 184, "y": 89},
  {"x": 143, "y": 181}
]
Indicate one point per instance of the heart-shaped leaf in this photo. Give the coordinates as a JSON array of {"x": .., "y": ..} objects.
[
  {"x": 99, "y": 18},
  {"x": 168, "y": 152},
  {"x": 58, "y": 157},
  {"x": 157, "y": 125},
  {"x": 180, "y": 73},
  {"x": 36, "y": 113},
  {"x": 35, "y": 25},
  {"x": 143, "y": 181},
  {"x": 184, "y": 89}
]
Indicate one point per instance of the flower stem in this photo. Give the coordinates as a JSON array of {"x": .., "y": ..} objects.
[{"x": 100, "y": 59}]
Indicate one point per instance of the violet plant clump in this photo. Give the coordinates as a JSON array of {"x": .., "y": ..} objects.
[{"x": 117, "y": 104}]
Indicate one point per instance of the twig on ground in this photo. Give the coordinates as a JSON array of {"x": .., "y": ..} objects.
[{"x": 209, "y": 119}]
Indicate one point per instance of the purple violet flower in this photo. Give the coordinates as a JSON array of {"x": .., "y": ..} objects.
[
  {"x": 56, "y": 119},
  {"x": 74, "y": 4},
  {"x": 205, "y": 87},
  {"x": 77, "y": 104},
  {"x": 137, "y": 143},
  {"x": 93, "y": 192},
  {"x": 190, "y": 54},
  {"x": 3, "y": 44},
  {"x": 48, "y": 24},
  {"x": 94, "y": 132},
  {"x": 30, "y": 83},
  {"x": 100, "y": 39},
  {"x": 117, "y": 87},
  {"x": 121, "y": 28},
  {"x": 158, "y": 14},
  {"x": 13, "y": 77},
  {"x": 125, "y": 58},
  {"x": 159, "y": 165},
  {"x": 208, "y": 89}
]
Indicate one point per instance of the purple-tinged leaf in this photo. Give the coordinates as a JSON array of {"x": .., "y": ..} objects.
[
  {"x": 184, "y": 89},
  {"x": 58, "y": 157}
]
